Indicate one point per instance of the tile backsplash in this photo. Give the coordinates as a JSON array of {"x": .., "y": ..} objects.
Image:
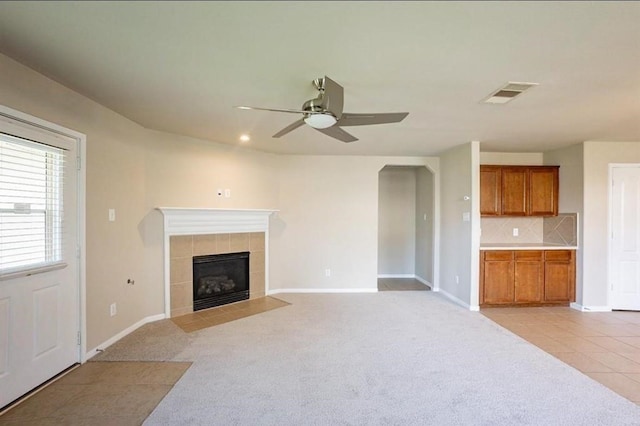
[
  {"x": 561, "y": 229},
  {"x": 500, "y": 230}
]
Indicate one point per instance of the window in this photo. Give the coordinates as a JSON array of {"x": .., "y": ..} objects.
[{"x": 31, "y": 210}]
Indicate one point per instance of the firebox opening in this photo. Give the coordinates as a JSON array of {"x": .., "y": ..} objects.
[{"x": 219, "y": 279}]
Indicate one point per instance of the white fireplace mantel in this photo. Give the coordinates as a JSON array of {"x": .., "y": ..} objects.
[
  {"x": 198, "y": 221},
  {"x": 185, "y": 221}
]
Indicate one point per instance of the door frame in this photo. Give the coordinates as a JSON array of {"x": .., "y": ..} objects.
[
  {"x": 23, "y": 119},
  {"x": 610, "y": 226}
]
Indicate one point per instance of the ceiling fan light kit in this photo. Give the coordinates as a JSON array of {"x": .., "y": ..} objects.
[
  {"x": 320, "y": 121},
  {"x": 324, "y": 113}
]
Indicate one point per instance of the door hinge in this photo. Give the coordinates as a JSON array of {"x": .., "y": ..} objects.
[{"x": 79, "y": 340}]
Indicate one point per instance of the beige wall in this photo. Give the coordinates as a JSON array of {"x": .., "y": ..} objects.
[
  {"x": 397, "y": 221},
  {"x": 425, "y": 199},
  {"x": 459, "y": 254},
  {"x": 512, "y": 158},
  {"x": 597, "y": 157},
  {"x": 328, "y": 219}
]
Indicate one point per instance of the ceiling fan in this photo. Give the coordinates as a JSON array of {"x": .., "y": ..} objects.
[{"x": 324, "y": 113}]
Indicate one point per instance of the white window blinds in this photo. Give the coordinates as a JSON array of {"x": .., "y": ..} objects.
[{"x": 31, "y": 210}]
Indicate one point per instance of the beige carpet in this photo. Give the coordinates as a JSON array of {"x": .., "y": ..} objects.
[
  {"x": 390, "y": 358},
  {"x": 387, "y": 358}
]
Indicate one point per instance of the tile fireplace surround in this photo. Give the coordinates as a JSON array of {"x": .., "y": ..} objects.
[{"x": 195, "y": 232}]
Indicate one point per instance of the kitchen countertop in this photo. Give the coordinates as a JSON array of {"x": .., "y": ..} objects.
[{"x": 525, "y": 246}]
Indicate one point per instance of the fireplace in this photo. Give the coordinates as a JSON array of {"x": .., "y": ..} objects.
[
  {"x": 192, "y": 232},
  {"x": 219, "y": 279}
]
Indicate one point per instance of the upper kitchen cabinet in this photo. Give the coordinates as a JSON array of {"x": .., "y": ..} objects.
[
  {"x": 490, "y": 190},
  {"x": 543, "y": 191},
  {"x": 519, "y": 190},
  {"x": 515, "y": 191}
]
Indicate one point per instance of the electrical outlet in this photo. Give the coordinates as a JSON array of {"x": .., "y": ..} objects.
[
  {"x": 457, "y": 279},
  {"x": 113, "y": 309},
  {"x": 112, "y": 215},
  {"x": 327, "y": 272},
  {"x": 516, "y": 231},
  {"x": 227, "y": 193}
]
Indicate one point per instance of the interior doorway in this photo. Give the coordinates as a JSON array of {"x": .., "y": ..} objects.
[{"x": 405, "y": 228}]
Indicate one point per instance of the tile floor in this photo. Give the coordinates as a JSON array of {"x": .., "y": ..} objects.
[
  {"x": 603, "y": 345},
  {"x": 401, "y": 284},
  {"x": 99, "y": 393},
  {"x": 219, "y": 315}
]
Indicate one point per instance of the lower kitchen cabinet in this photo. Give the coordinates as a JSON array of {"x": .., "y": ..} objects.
[
  {"x": 560, "y": 275},
  {"x": 497, "y": 269},
  {"x": 527, "y": 277}
]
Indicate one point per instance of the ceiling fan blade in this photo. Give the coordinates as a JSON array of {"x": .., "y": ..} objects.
[
  {"x": 289, "y": 128},
  {"x": 349, "y": 119},
  {"x": 338, "y": 133},
  {"x": 333, "y": 99},
  {"x": 295, "y": 111}
]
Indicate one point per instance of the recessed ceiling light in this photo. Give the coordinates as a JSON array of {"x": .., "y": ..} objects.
[
  {"x": 244, "y": 138},
  {"x": 508, "y": 92}
]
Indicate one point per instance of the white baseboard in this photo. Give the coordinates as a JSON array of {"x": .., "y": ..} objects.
[
  {"x": 93, "y": 352},
  {"x": 423, "y": 281},
  {"x": 454, "y": 299},
  {"x": 322, "y": 290},
  {"x": 581, "y": 308}
]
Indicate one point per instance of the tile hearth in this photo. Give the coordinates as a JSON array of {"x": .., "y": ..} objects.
[{"x": 219, "y": 315}]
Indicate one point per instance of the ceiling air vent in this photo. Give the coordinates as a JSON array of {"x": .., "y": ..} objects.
[{"x": 508, "y": 92}]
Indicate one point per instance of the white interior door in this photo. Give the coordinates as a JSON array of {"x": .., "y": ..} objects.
[
  {"x": 625, "y": 238},
  {"x": 39, "y": 266}
]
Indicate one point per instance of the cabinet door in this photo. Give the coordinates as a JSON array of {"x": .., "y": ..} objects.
[
  {"x": 490, "y": 190},
  {"x": 543, "y": 191},
  {"x": 559, "y": 276},
  {"x": 498, "y": 277},
  {"x": 515, "y": 185},
  {"x": 528, "y": 276}
]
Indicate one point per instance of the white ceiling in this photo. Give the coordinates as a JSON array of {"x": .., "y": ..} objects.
[{"x": 180, "y": 67}]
